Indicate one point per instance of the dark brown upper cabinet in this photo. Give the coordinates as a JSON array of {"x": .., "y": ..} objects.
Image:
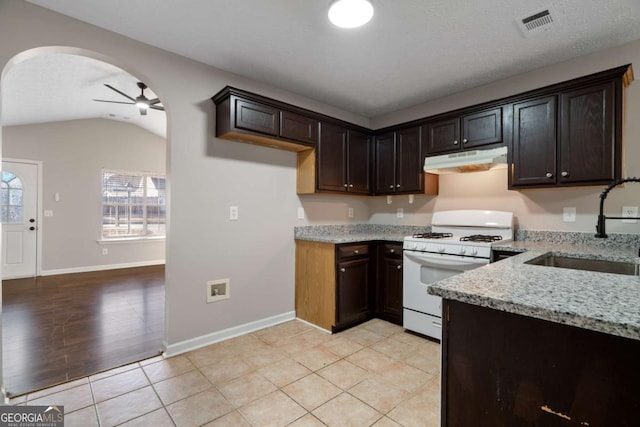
[
  {"x": 399, "y": 162},
  {"x": 534, "y": 142},
  {"x": 464, "y": 132},
  {"x": 572, "y": 137},
  {"x": 247, "y": 117},
  {"x": 343, "y": 158}
]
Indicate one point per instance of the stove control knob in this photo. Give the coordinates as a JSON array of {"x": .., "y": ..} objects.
[
  {"x": 441, "y": 249},
  {"x": 423, "y": 247},
  {"x": 462, "y": 251},
  {"x": 413, "y": 246},
  {"x": 474, "y": 251}
]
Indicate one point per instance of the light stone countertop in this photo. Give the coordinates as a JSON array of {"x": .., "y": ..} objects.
[
  {"x": 352, "y": 233},
  {"x": 603, "y": 302}
]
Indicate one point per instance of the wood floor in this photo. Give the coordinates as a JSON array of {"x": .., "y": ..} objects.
[{"x": 57, "y": 328}]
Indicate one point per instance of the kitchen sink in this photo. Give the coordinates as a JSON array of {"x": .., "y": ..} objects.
[{"x": 602, "y": 266}]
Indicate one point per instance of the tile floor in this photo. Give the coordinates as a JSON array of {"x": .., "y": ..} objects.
[{"x": 287, "y": 375}]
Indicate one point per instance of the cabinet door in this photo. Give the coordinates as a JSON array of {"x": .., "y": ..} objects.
[
  {"x": 390, "y": 290},
  {"x": 482, "y": 128},
  {"x": 298, "y": 128},
  {"x": 331, "y": 158},
  {"x": 358, "y": 163},
  {"x": 409, "y": 161},
  {"x": 443, "y": 136},
  {"x": 353, "y": 291},
  {"x": 256, "y": 117},
  {"x": 587, "y": 149},
  {"x": 385, "y": 166},
  {"x": 534, "y": 142}
]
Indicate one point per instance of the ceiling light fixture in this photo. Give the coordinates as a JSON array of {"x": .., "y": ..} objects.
[{"x": 350, "y": 13}]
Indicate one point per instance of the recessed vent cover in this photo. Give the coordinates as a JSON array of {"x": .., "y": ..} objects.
[{"x": 536, "y": 22}]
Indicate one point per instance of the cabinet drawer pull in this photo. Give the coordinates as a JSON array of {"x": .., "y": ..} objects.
[
  {"x": 391, "y": 186},
  {"x": 399, "y": 267},
  {"x": 455, "y": 142},
  {"x": 565, "y": 173},
  {"x": 549, "y": 175},
  {"x": 345, "y": 186},
  {"x": 356, "y": 252},
  {"x": 398, "y": 185},
  {"x": 392, "y": 251},
  {"x": 465, "y": 140},
  {"x": 437, "y": 324},
  {"x": 342, "y": 270},
  {"x": 350, "y": 185}
]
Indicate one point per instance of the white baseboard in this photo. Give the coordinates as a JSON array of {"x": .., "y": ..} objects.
[
  {"x": 101, "y": 267},
  {"x": 205, "y": 340}
]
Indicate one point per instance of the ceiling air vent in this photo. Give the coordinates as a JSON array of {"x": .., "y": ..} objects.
[{"x": 536, "y": 22}]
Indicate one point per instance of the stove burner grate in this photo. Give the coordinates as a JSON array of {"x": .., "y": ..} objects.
[
  {"x": 432, "y": 235},
  {"x": 480, "y": 238}
]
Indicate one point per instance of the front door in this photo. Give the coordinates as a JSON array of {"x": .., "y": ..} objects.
[{"x": 18, "y": 212}]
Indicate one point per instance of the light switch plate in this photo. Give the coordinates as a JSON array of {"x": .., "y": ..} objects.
[
  {"x": 569, "y": 215},
  {"x": 300, "y": 213},
  {"x": 630, "y": 211}
]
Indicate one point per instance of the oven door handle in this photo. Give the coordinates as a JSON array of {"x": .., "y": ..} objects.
[{"x": 436, "y": 260}]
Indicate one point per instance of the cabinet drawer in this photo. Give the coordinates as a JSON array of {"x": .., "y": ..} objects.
[
  {"x": 392, "y": 250},
  {"x": 298, "y": 128},
  {"x": 353, "y": 251},
  {"x": 256, "y": 117}
]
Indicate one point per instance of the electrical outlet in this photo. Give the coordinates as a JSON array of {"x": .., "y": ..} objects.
[
  {"x": 400, "y": 213},
  {"x": 300, "y": 213},
  {"x": 217, "y": 290},
  {"x": 569, "y": 215},
  {"x": 350, "y": 212},
  {"x": 233, "y": 213},
  {"x": 630, "y": 211},
  {"x": 105, "y": 251}
]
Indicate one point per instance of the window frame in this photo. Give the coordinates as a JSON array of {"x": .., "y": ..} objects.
[{"x": 144, "y": 175}]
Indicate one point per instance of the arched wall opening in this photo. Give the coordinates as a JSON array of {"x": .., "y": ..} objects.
[{"x": 52, "y": 50}]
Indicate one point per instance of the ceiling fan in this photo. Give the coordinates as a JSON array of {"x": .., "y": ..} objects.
[{"x": 142, "y": 102}]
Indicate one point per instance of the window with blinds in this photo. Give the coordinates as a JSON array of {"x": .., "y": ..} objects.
[{"x": 133, "y": 204}]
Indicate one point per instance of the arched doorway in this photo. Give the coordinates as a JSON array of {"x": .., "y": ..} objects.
[{"x": 96, "y": 299}]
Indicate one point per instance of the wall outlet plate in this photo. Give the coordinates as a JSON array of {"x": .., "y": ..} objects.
[
  {"x": 569, "y": 214},
  {"x": 400, "y": 213},
  {"x": 350, "y": 212},
  {"x": 233, "y": 213},
  {"x": 217, "y": 290},
  {"x": 630, "y": 211}
]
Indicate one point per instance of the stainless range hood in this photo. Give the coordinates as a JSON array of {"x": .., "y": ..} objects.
[{"x": 467, "y": 161}]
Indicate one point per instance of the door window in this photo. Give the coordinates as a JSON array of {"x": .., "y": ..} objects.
[{"x": 11, "y": 199}]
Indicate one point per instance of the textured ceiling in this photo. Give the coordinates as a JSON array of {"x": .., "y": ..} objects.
[
  {"x": 411, "y": 52},
  {"x": 58, "y": 87}
]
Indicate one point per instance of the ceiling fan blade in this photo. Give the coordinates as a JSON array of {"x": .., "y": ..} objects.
[
  {"x": 155, "y": 107},
  {"x": 154, "y": 101},
  {"x": 121, "y": 93},
  {"x": 114, "y": 102}
]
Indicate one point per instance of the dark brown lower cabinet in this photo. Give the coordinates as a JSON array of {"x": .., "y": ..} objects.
[
  {"x": 389, "y": 295},
  {"x": 354, "y": 278},
  {"x": 503, "y": 369}
]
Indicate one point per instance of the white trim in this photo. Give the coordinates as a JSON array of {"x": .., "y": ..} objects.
[
  {"x": 314, "y": 326},
  {"x": 131, "y": 240},
  {"x": 205, "y": 340},
  {"x": 39, "y": 207},
  {"x": 101, "y": 267}
]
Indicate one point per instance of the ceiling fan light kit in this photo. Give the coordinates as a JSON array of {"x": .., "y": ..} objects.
[
  {"x": 350, "y": 13},
  {"x": 142, "y": 102}
]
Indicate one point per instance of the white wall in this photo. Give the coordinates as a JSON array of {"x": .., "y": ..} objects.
[
  {"x": 73, "y": 155},
  {"x": 535, "y": 209}
]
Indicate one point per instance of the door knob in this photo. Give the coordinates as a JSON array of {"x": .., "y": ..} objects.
[
  {"x": 465, "y": 140},
  {"x": 565, "y": 173},
  {"x": 455, "y": 142},
  {"x": 399, "y": 267},
  {"x": 343, "y": 270},
  {"x": 549, "y": 175}
]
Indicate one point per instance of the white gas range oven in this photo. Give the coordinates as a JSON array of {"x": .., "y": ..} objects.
[{"x": 459, "y": 241}]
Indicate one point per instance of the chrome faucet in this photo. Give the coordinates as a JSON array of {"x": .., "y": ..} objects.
[{"x": 600, "y": 227}]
